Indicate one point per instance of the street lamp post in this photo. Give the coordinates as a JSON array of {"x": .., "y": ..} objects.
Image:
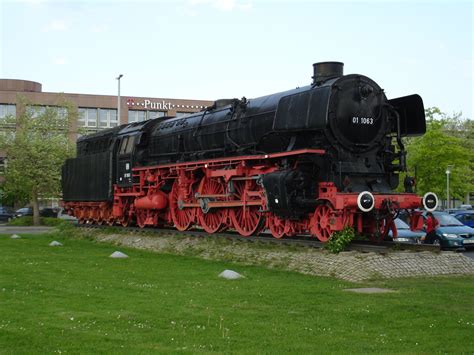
[
  {"x": 448, "y": 171},
  {"x": 118, "y": 98}
]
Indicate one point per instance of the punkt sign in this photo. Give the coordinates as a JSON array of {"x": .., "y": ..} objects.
[
  {"x": 158, "y": 105},
  {"x": 148, "y": 104}
]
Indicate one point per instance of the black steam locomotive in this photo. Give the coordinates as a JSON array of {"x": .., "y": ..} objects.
[{"x": 310, "y": 160}]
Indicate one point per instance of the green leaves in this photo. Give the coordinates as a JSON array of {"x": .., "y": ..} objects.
[
  {"x": 449, "y": 141},
  {"x": 36, "y": 146},
  {"x": 339, "y": 240}
]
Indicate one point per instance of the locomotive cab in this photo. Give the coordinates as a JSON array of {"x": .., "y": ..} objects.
[
  {"x": 124, "y": 160},
  {"x": 125, "y": 151}
]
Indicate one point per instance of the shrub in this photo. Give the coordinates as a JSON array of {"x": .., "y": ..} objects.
[
  {"x": 44, "y": 221},
  {"x": 339, "y": 240}
]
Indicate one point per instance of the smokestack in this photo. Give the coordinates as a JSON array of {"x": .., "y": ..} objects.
[{"x": 327, "y": 70}]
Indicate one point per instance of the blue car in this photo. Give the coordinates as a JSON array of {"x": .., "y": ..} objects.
[
  {"x": 404, "y": 234},
  {"x": 466, "y": 217},
  {"x": 451, "y": 233}
]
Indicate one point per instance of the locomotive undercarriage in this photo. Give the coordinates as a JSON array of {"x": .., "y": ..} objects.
[{"x": 234, "y": 193}]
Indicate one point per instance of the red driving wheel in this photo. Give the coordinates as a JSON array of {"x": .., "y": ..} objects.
[
  {"x": 183, "y": 218},
  {"x": 212, "y": 220},
  {"x": 247, "y": 219},
  {"x": 321, "y": 223}
]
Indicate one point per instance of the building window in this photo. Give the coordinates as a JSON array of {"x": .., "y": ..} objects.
[
  {"x": 136, "y": 116},
  {"x": 87, "y": 117},
  {"x": 7, "y": 110},
  {"x": 182, "y": 114},
  {"x": 154, "y": 114},
  {"x": 107, "y": 118},
  {"x": 3, "y": 165},
  {"x": 62, "y": 112},
  {"x": 36, "y": 111}
]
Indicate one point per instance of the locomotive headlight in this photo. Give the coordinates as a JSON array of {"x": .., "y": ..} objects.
[
  {"x": 365, "y": 201},
  {"x": 430, "y": 201}
]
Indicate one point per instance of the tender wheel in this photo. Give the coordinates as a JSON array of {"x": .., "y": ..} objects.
[
  {"x": 320, "y": 223},
  {"x": 277, "y": 226},
  {"x": 384, "y": 227},
  {"x": 214, "y": 220},
  {"x": 182, "y": 218},
  {"x": 103, "y": 216},
  {"x": 80, "y": 215},
  {"x": 247, "y": 220},
  {"x": 107, "y": 217},
  {"x": 110, "y": 217}
]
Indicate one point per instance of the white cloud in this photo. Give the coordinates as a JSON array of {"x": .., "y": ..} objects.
[
  {"x": 99, "y": 28},
  {"x": 224, "y": 5},
  {"x": 59, "y": 60},
  {"x": 33, "y": 2},
  {"x": 56, "y": 25}
]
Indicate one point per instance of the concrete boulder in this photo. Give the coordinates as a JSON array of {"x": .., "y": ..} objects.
[
  {"x": 118, "y": 255},
  {"x": 230, "y": 275}
]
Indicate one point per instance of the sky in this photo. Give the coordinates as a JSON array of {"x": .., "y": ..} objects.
[{"x": 213, "y": 49}]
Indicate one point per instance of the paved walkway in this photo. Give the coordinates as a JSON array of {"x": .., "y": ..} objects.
[{"x": 24, "y": 230}]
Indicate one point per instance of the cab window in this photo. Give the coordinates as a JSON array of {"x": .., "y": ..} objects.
[
  {"x": 123, "y": 145},
  {"x": 130, "y": 144},
  {"x": 127, "y": 144}
]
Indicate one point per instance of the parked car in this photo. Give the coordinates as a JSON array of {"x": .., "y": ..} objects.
[
  {"x": 65, "y": 216},
  {"x": 451, "y": 233},
  {"x": 49, "y": 212},
  {"x": 44, "y": 212},
  {"x": 465, "y": 217},
  {"x": 404, "y": 234},
  {"x": 25, "y": 211},
  {"x": 6, "y": 214}
]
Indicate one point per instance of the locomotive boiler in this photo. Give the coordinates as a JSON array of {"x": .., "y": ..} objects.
[{"x": 311, "y": 160}]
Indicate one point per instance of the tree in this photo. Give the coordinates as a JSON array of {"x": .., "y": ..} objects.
[
  {"x": 447, "y": 142},
  {"x": 36, "y": 146}
]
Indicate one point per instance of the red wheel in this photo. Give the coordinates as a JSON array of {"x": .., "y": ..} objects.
[
  {"x": 277, "y": 226},
  {"x": 382, "y": 229},
  {"x": 182, "y": 217},
  {"x": 106, "y": 216},
  {"x": 87, "y": 215},
  {"x": 320, "y": 223},
  {"x": 247, "y": 220},
  {"x": 111, "y": 220},
  {"x": 97, "y": 216},
  {"x": 141, "y": 217},
  {"x": 124, "y": 221},
  {"x": 79, "y": 213},
  {"x": 214, "y": 220},
  {"x": 103, "y": 215}
]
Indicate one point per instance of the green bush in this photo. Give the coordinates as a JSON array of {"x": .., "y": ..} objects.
[
  {"x": 44, "y": 221},
  {"x": 339, "y": 240}
]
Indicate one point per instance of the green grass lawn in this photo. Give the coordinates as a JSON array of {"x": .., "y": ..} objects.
[{"x": 76, "y": 299}]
